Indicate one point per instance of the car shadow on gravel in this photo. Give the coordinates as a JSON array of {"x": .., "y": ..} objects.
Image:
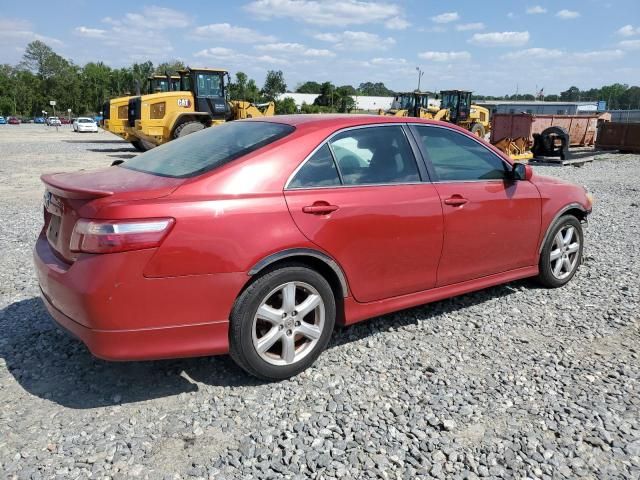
[{"x": 49, "y": 363}]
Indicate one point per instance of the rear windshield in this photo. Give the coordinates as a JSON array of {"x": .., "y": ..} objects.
[{"x": 205, "y": 150}]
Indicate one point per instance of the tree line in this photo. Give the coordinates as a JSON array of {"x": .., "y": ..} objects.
[{"x": 43, "y": 75}]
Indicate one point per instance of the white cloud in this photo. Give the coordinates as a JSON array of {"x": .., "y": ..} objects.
[
  {"x": 534, "y": 53},
  {"x": 500, "y": 39},
  {"x": 536, "y": 10},
  {"x": 89, "y": 32},
  {"x": 445, "y": 56},
  {"x": 231, "y": 33},
  {"x": 628, "y": 31},
  {"x": 599, "y": 55},
  {"x": 356, "y": 40},
  {"x": 157, "y": 18},
  {"x": 388, "y": 61},
  {"x": 295, "y": 48},
  {"x": 567, "y": 14},
  {"x": 216, "y": 52},
  {"x": 232, "y": 57},
  {"x": 446, "y": 17},
  {"x": 630, "y": 44},
  {"x": 16, "y": 33},
  {"x": 326, "y": 12},
  {"x": 465, "y": 27},
  {"x": 397, "y": 23}
]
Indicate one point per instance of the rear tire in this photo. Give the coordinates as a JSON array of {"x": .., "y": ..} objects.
[
  {"x": 562, "y": 252},
  {"x": 281, "y": 323},
  {"x": 478, "y": 130},
  {"x": 187, "y": 128}
]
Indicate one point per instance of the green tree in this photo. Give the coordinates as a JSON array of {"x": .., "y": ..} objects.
[
  {"x": 274, "y": 85},
  {"x": 286, "y": 106},
  {"x": 171, "y": 68},
  {"x": 309, "y": 87},
  {"x": 375, "y": 90},
  {"x": 244, "y": 88}
]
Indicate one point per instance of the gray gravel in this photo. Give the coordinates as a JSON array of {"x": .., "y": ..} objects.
[{"x": 514, "y": 381}]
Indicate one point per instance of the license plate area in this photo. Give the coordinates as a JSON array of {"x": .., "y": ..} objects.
[{"x": 53, "y": 230}]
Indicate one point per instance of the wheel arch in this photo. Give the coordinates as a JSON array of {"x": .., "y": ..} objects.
[
  {"x": 574, "y": 209},
  {"x": 184, "y": 117},
  {"x": 315, "y": 259}
]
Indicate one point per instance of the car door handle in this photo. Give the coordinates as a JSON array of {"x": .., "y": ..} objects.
[
  {"x": 456, "y": 200},
  {"x": 320, "y": 208}
]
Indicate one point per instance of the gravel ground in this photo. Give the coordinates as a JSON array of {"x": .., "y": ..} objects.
[{"x": 513, "y": 381}]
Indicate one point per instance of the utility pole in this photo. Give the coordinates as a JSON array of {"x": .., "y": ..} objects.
[{"x": 420, "y": 74}]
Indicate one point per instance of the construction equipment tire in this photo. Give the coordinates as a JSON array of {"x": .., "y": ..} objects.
[
  {"x": 186, "y": 128},
  {"x": 478, "y": 130}
]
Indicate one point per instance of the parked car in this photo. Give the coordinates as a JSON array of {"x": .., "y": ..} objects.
[
  {"x": 3, "y": 121},
  {"x": 255, "y": 237},
  {"x": 13, "y": 121},
  {"x": 54, "y": 122},
  {"x": 39, "y": 120},
  {"x": 85, "y": 124},
  {"x": 65, "y": 121}
]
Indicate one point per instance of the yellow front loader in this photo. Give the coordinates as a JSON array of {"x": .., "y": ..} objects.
[
  {"x": 455, "y": 107},
  {"x": 116, "y": 110},
  {"x": 200, "y": 103}
]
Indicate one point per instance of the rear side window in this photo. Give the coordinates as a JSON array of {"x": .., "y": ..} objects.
[
  {"x": 375, "y": 155},
  {"x": 319, "y": 171},
  {"x": 456, "y": 157},
  {"x": 205, "y": 150}
]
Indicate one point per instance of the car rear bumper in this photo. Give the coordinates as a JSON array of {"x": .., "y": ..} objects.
[
  {"x": 147, "y": 344},
  {"x": 106, "y": 302}
]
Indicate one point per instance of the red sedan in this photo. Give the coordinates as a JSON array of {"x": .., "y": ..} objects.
[{"x": 255, "y": 237}]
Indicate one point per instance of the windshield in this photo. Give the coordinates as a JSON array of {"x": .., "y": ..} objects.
[
  {"x": 404, "y": 102},
  {"x": 210, "y": 148},
  {"x": 209, "y": 84},
  {"x": 450, "y": 101},
  {"x": 85, "y": 120}
]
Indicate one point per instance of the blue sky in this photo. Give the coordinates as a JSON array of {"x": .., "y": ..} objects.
[{"x": 491, "y": 47}]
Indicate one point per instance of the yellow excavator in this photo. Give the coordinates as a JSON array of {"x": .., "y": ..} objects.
[
  {"x": 201, "y": 102},
  {"x": 115, "y": 111},
  {"x": 455, "y": 107}
]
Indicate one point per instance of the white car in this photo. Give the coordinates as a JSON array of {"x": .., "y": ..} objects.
[
  {"x": 85, "y": 124},
  {"x": 54, "y": 122}
]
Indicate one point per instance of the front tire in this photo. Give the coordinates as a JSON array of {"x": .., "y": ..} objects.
[
  {"x": 562, "y": 252},
  {"x": 281, "y": 323},
  {"x": 187, "y": 128}
]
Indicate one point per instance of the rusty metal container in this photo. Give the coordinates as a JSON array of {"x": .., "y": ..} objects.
[
  {"x": 581, "y": 128},
  {"x": 619, "y": 136}
]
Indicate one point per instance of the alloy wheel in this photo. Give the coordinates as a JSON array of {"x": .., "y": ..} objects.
[
  {"x": 564, "y": 252},
  {"x": 288, "y": 323}
]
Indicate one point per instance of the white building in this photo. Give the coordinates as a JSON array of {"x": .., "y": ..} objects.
[
  {"x": 362, "y": 102},
  {"x": 539, "y": 107}
]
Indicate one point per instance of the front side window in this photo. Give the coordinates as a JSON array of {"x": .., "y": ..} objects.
[
  {"x": 319, "y": 171},
  {"x": 209, "y": 85},
  {"x": 456, "y": 157},
  {"x": 374, "y": 155},
  {"x": 205, "y": 150}
]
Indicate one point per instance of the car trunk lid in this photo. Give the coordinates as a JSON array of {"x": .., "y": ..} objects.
[{"x": 67, "y": 193}]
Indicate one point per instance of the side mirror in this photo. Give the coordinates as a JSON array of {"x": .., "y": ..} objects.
[{"x": 521, "y": 171}]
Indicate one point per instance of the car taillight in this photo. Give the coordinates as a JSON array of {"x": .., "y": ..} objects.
[{"x": 110, "y": 236}]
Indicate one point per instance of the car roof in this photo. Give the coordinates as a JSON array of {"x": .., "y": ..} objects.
[{"x": 339, "y": 121}]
